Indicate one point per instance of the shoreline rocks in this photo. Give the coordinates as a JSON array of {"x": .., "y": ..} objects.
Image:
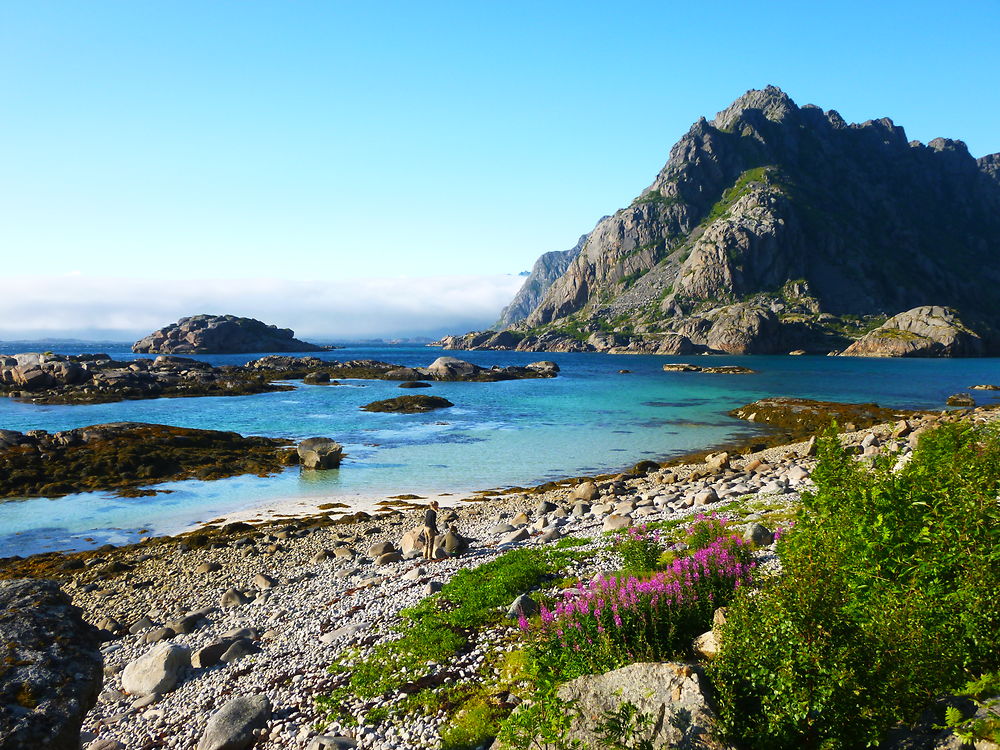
[{"x": 51, "y": 671}]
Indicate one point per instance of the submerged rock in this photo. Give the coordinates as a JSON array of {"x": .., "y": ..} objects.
[{"x": 408, "y": 404}]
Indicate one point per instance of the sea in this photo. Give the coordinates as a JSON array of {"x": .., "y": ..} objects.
[{"x": 591, "y": 419}]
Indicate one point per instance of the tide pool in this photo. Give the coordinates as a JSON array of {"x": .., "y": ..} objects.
[{"x": 590, "y": 419}]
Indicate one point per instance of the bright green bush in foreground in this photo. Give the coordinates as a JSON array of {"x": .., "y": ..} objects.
[{"x": 888, "y": 598}]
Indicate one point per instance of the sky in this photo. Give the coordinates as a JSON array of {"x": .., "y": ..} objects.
[{"x": 365, "y": 169}]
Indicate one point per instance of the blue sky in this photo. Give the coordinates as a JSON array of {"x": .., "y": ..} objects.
[{"x": 317, "y": 142}]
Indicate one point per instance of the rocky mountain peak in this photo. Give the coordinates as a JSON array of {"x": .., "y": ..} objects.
[
  {"x": 770, "y": 102},
  {"x": 814, "y": 228}
]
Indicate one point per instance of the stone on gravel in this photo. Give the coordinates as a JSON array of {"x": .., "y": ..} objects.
[
  {"x": 208, "y": 567},
  {"x": 616, "y": 522},
  {"x": 706, "y": 496},
  {"x": 525, "y": 605},
  {"x": 160, "y": 634},
  {"x": 208, "y": 656},
  {"x": 586, "y": 491},
  {"x": 515, "y": 536},
  {"x": 329, "y": 742},
  {"x": 381, "y": 548},
  {"x": 263, "y": 581},
  {"x": 105, "y": 744},
  {"x": 53, "y": 670},
  {"x": 433, "y": 587},
  {"x": 233, "y": 726},
  {"x": 502, "y": 528},
  {"x": 759, "y": 534},
  {"x": 239, "y": 649},
  {"x": 156, "y": 671},
  {"x": 389, "y": 558},
  {"x": 676, "y": 692},
  {"x": 233, "y": 598}
]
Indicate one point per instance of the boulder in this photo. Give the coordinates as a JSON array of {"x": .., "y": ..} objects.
[
  {"x": 928, "y": 331},
  {"x": 408, "y": 404},
  {"x": 523, "y": 605},
  {"x": 759, "y": 534},
  {"x": 157, "y": 671},
  {"x": 452, "y": 368},
  {"x": 52, "y": 672},
  {"x": 320, "y": 453},
  {"x": 616, "y": 522},
  {"x": 960, "y": 399},
  {"x": 331, "y": 742},
  {"x": 586, "y": 491},
  {"x": 412, "y": 541},
  {"x": 673, "y": 695},
  {"x": 232, "y": 727}
]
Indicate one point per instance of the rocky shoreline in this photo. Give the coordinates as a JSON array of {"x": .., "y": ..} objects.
[
  {"x": 222, "y": 598},
  {"x": 44, "y": 378}
]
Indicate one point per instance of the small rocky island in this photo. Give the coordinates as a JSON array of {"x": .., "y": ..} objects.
[
  {"x": 408, "y": 404},
  {"x": 221, "y": 334}
]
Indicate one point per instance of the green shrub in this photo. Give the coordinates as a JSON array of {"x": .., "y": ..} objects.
[
  {"x": 639, "y": 548},
  {"x": 705, "y": 530},
  {"x": 888, "y": 598}
]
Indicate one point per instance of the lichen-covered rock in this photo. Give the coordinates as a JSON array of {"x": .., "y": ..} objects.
[
  {"x": 673, "y": 695},
  {"x": 50, "y": 670},
  {"x": 221, "y": 334},
  {"x": 320, "y": 453},
  {"x": 929, "y": 331},
  {"x": 232, "y": 726}
]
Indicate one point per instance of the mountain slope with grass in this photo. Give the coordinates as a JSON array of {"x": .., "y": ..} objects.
[{"x": 775, "y": 227}]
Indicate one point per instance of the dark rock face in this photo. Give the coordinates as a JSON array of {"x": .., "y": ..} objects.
[
  {"x": 805, "y": 222},
  {"x": 221, "y": 334},
  {"x": 409, "y": 404},
  {"x": 920, "y": 332},
  {"x": 52, "y": 669}
]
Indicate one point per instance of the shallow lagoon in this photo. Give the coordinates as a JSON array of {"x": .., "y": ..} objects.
[{"x": 590, "y": 419}]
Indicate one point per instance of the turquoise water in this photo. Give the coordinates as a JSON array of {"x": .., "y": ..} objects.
[{"x": 589, "y": 419}]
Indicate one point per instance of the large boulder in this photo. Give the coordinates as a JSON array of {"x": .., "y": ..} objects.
[
  {"x": 232, "y": 726},
  {"x": 408, "y": 404},
  {"x": 221, "y": 334},
  {"x": 157, "y": 671},
  {"x": 320, "y": 453},
  {"x": 51, "y": 672},
  {"x": 673, "y": 695},
  {"x": 452, "y": 368},
  {"x": 928, "y": 331}
]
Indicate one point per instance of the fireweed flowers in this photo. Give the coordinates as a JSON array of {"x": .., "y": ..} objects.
[{"x": 619, "y": 620}]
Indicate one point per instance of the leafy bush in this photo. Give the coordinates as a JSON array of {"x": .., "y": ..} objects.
[
  {"x": 619, "y": 620},
  {"x": 639, "y": 548},
  {"x": 888, "y": 598},
  {"x": 706, "y": 530}
]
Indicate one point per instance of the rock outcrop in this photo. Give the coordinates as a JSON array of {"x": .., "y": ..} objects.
[
  {"x": 221, "y": 334},
  {"x": 320, "y": 453},
  {"x": 672, "y": 696},
  {"x": 543, "y": 274},
  {"x": 775, "y": 227},
  {"x": 921, "y": 332},
  {"x": 51, "y": 671}
]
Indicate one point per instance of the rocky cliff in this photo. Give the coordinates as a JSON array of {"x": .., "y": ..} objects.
[
  {"x": 221, "y": 334},
  {"x": 544, "y": 273},
  {"x": 775, "y": 227}
]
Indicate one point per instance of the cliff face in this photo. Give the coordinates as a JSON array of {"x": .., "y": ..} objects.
[
  {"x": 776, "y": 227},
  {"x": 543, "y": 274}
]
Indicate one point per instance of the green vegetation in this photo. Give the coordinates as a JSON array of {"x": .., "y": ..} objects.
[
  {"x": 888, "y": 598},
  {"x": 437, "y": 629},
  {"x": 743, "y": 185}
]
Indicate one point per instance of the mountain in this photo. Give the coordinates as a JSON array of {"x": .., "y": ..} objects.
[
  {"x": 776, "y": 227},
  {"x": 543, "y": 274}
]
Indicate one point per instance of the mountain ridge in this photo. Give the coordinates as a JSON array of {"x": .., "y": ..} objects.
[{"x": 776, "y": 227}]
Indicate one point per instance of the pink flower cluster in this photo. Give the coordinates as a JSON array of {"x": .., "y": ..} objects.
[{"x": 644, "y": 616}]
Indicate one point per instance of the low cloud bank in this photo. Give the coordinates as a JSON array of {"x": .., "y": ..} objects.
[{"x": 124, "y": 309}]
